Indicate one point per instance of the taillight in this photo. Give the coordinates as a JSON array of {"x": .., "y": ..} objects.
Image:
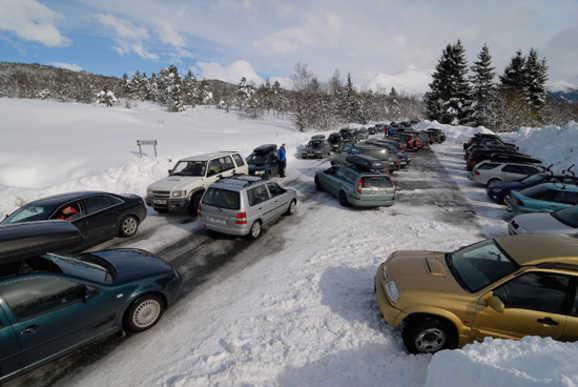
[
  {"x": 359, "y": 185},
  {"x": 517, "y": 201},
  {"x": 241, "y": 218},
  {"x": 476, "y": 172},
  {"x": 199, "y": 212}
]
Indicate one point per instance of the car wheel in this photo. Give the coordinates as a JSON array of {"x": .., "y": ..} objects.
[
  {"x": 493, "y": 181},
  {"x": 195, "y": 201},
  {"x": 428, "y": 335},
  {"x": 128, "y": 226},
  {"x": 291, "y": 209},
  {"x": 256, "y": 230},
  {"x": 317, "y": 184},
  {"x": 343, "y": 199},
  {"x": 144, "y": 313}
]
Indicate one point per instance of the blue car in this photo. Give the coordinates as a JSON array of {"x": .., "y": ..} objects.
[
  {"x": 52, "y": 303},
  {"x": 499, "y": 190},
  {"x": 545, "y": 197}
]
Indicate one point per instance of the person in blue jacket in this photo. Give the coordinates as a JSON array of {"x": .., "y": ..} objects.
[{"x": 282, "y": 153}]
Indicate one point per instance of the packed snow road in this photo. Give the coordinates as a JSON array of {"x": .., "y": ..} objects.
[{"x": 295, "y": 307}]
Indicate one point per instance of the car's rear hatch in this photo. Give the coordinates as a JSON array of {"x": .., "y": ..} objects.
[
  {"x": 376, "y": 187},
  {"x": 220, "y": 208}
]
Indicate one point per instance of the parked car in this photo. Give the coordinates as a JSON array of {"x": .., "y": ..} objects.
[
  {"x": 318, "y": 137},
  {"x": 507, "y": 287},
  {"x": 264, "y": 161},
  {"x": 346, "y": 135},
  {"x": 496, "y": 148},
  {"x": 394, "y": 148},
  {"x": 499, "y": 156},
  {"x": 488, "y": 172},
  {"x": 316, "y": 148},
  {"x": 488, "y": 139},
  {"x": 362, "y": 134},
  {"x": 52, "y": 304},
  {"x": 498, "y": 191},
  {"x": 355, "y": 186},
  {"x": 545, "y": 197},
  {"x": 99, "y": 216},
  {"x": 561, "y": 222},
  {"x": 243, "y": 205},
  {"x": 187, "y": 181},
  {"x": 372, "y": 130},
  {"x": 411, "y": 140},
  {"x": 436, "y": 136},
  {"x": 390, "y": 160},
  {"x": 334, "y": 141}
]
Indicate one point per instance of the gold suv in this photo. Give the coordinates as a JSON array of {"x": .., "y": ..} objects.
[{"x": 507, "y": 287}]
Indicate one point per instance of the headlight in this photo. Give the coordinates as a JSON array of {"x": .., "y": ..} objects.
[
  {"x": 178, "y": 194},
  {"x": 149, "y": 192},
  {"x": 392, "y": 292}
]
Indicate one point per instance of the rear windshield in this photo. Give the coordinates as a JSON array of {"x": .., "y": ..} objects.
[
  {"x": 376, "y": 182},
  {"x": 222, "y": 198},
  {"x": 488, "y": 166}
]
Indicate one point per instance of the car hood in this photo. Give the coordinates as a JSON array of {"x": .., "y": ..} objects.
[
  {"x": 421, "y": 271},
  {"x": 171, "y": 183},
  {"x": 132, "y": 264},
  {"x": 541, "y": 223}
]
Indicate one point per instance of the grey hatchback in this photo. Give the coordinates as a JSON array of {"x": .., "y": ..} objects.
[
  {"x": 243, "y": 205},
  {"x": 356, "y": 187}
]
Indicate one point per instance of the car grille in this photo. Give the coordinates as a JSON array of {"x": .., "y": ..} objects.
[
  {"x": 161, "y": 194},
  {"x": 515, "y": 225}
]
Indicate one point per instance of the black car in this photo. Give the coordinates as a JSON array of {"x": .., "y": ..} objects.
[
  {"x": 499, "y": 190},
  {"x": 436, "y": 135},
  {"x": 264, "y": 161},
  {"x": 335, "y": 140},
  {"x": 486, "y": 153},
  {"x": 366, "y": 163},
  {"x": 372, "y": 130},
  {"x": 488, "y": 140},
  {"x": 346, "y": 135},
  {"x": 53, "y": 303},
  {"x": 99, "y": 216}
]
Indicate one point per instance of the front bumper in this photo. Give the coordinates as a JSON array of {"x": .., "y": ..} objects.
[
  {"x": 389, "y": 312},
  {"x": 169, "y": 204}
]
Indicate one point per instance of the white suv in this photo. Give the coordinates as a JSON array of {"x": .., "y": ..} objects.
[
  {"x": 189, "y": 178},
  {"x": 489, "y": 172}
]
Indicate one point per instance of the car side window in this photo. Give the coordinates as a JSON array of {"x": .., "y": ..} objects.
[
  {"x": 332, "y": 171},
  {"x": 238, "y": 160},
  {"x": 214, "y": 167},
  {"x": 545, "y": 292},
  {"x": 35, "y": 296},
  {"x": 513, "y": 169},
  {"x": 227, "y": 163},
  {"x": 98, "y": 203},
  {"x": 275, "y": 189},
  {"x": 68, "y": 212},
  {"x": 567, "y": 197},
  {"x": 257, "y": 195},
  {"x": 527, "y": 170}
]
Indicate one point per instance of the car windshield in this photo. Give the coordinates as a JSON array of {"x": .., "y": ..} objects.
[
  {"x": 190, "y": 168},
  {"x": 222, "y": 198},
  {"x": 316, "y": 144},
  {"x": 568, "y": 216},
  {"x": 479, "y": 265},
  {"x": 28, "y": 214},
  {"x": 533, "y": 179},
  {"x": 379, "y": 154},
  {"x": 81, "y": 267}
]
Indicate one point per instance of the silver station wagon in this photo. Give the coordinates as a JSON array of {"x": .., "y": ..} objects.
[{"x": 243, "y": 205}]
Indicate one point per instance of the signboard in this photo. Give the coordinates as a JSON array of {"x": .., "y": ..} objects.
[{"x": 140, "y": 144}]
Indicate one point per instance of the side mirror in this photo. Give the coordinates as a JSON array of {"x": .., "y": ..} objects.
[
  {"x": 495, "y": 303},
  {"x": 170, "y": 171}
]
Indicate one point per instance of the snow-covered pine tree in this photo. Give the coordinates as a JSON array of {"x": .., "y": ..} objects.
[
  {"x": 439, "y": 92},
  {"x": 204, "y": 95},
  {"x": 393, "y": 92},
  {"x": 514, "y": 78},
  {"x": 190, "y": 89},
  {"x": 153, "y": 89},
  {"x": 513, "y": 107},
  {"x": 174, "y": 90},
  {"x": 483, "y": 88},
  {"x": 535, "y": 78},
  {"x": 106, "y": 98},
  {"x": 350, "y": 106}
]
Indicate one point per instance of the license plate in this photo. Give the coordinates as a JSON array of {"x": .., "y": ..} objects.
[
  {"x": 257, "y": 173},
  {"x": 159, "y": 201},
  {"x": 216, "y": 220}
]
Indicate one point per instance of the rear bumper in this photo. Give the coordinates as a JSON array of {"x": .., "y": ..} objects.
[
  {"x": 238, "y": 229},
  {"x": 371, "y": 202}
]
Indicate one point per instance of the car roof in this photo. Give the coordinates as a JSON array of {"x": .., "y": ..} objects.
[
  {"x": 237, "y": 182},
  {"x": 208, "y": 156},
  {"x": 538, "y": 249},
  {"x": 561, "y": 187},
  {"x": 56, "y": 200}
]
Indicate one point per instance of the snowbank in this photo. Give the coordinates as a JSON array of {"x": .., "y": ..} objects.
[
  {"x": 533, "y": 361},
  {"x": 454, "y": 133},
  {"x": 552, "y": 144}
]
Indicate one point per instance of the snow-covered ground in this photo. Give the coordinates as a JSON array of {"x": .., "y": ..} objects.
[{"x": 303, "y": 312}]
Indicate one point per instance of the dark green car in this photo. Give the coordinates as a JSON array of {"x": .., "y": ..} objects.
[
  {"x": 355, "y": 187},
  {"x": 52, "y": 303}
]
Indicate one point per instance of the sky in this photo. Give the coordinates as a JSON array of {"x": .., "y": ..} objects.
[{"x": 382, "y": 43}]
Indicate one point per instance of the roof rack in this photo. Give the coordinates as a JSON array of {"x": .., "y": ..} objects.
[
  {"x": 240, "y": 180},
  {"x": 558, "y": 265}
]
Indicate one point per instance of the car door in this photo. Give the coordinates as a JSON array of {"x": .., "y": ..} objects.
[
  {"x": 102, "y": 217},
  {"x": 535, "y": 303},
  {"x": 241, "y": 164},
  {"x": 11, "y": 358},
  {"x": 280, "y": 198},
  {"x": 332, "y": 183},
  {"x": 51, "y": 314},
  {"x": 512, "y": 172},
  {"x": 214, "y": 170},
  {"x": 260, "y": 203}
]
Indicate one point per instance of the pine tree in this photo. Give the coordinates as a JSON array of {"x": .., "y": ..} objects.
[
  {"x": 190, "y": 89},
  {"x": 513, "y": 79},
  {"x": 535, "y": 76},
  {"x": 173, "y": 91},
  {"x": 106, "y": 98},
  {"x": 393, "y": 92},
  {"x": 350, "y": 106},
  {"x": 483, "y": 88},
  {"x": 153, "y": 89}
]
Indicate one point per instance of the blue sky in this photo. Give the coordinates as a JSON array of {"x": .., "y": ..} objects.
[{"x": 383, "y": 43}]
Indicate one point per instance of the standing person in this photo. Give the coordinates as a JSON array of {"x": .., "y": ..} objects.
[{"x": 282, "y": 153}]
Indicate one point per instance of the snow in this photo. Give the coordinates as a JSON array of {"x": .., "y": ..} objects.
[
  {"x": 532, "y": 361},
  {"x": 457, "y": 134}
]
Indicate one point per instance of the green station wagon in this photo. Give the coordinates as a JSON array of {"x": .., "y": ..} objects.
[{"x": 356, "y": 187}]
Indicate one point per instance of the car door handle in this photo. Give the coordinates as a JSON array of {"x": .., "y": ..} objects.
[
  {"x": 548, "y": 321},
  {"x": 30, "y": 330}
]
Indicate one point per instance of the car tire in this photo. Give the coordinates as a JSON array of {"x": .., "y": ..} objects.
[
  {"x": 144, "y": 313},
  {"x": 428, "y": 335},
  {"x": 128, "y": 226},
  {"x": 317, "y": 184},
  {"x": 343, "y": 199},
  {"x": 256, "y": 230},
  {"x": 195, "y": 201},
  {"x": 291, "y": 210},
  {"x": 492, "y": 181}
]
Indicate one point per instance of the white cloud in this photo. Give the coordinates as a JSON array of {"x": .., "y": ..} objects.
[
  {"x": 561, "y": 86},
  {"x": 31, "y": 20},
  {"x": 229, "y": 73},
  {"x": 128, "y": 37},
  {"x": 411, "y": 81},
  {"x": 66, "y": 66}
]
